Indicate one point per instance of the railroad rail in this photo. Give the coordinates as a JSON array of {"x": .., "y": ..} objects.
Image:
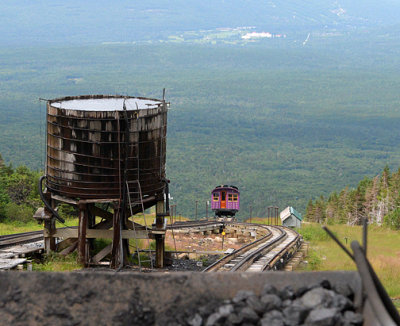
[
  {"x": 266, "y": 253},
  {"x": 14, "y": 248},
  {"x": 193, "y": 224},
  {"x": 20, "y": 238}
]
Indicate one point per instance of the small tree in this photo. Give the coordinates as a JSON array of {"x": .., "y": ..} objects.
[{"x": 392, "y": 219}]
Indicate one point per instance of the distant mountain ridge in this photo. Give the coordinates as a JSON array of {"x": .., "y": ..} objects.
[{"x": 59, "y": 22}]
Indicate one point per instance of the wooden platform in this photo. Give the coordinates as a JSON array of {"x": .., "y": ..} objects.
[{"x": 13, "y": 256}]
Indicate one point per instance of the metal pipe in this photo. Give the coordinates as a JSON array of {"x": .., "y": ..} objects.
[{"x": 48, "y": 206}]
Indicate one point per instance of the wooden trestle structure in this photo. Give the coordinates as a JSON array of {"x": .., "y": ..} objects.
[{"x": 81, "y": 238}]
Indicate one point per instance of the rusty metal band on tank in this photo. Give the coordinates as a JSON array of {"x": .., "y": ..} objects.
[{"x": 88, "y": 146}]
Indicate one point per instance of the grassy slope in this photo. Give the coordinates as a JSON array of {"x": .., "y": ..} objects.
[
  {"x": 383, "y": 252},
  {"x": 324, "y": 254}
]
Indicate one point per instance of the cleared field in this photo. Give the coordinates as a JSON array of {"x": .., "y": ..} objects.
[{"x": 383, "y": 252}]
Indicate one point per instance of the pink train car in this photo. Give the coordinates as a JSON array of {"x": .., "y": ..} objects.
[{"x": 225, "y": 200}]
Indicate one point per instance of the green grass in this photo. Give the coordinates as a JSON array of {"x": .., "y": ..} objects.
[
  {"x": 265, "y": 220},
  {"x": 383, "y": 251},
  {"x": 57, "y": 263},
  {"x": 11, "y": 227}
]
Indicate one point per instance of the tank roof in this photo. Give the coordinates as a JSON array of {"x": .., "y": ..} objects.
[{"x": 106, "y": 104}]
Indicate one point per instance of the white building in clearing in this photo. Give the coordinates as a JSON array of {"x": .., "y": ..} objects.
[{"x": 291, "y": 218}]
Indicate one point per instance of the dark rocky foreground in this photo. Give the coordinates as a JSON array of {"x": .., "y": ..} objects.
[
  {"x": 110, "y": 298},
  {"x": 313, "y": 305}
]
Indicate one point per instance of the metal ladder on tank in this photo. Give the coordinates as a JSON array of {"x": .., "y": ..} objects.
[
  {"x": 145, "y": 223},
  {"x": 129, "y": 193}
]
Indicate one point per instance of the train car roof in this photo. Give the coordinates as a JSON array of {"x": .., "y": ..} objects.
[{"x": 226, "y": 187}]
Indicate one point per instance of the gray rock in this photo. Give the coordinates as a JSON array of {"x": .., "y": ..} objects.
[
  {"x": 287, "y": 303},
  {"x": 196, "y": 320},
  {"x": 287, "y": 293},
  {"x": 256, "y": 304},
  {"x": 317, "y": 297},
  {"x": 214, "y": 318},
  {"x": 272, "y": 318},
  {"x": 352, "y": 318},
  {"x": 248, "y": 315},
  {"x": 235, "y": 319},
  {"x": 271, "y": 302},
  {"x": 323, "y": 317},
  {"x": 269, "y": 289},
  {"x": 225, "y": 310},
  {"x": 242, "y": 295},
  {"x": 345, "y": 290},
  {"x": 341, "y": 302},
  {"x": 301, "y": 290},
  {"x": 295, "y": 315}
]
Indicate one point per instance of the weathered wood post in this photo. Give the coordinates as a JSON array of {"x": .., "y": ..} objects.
[
  {"x": 116, "y": 253},
  {"x": 49, "y": 226},
  {"x": 82, "y": 245},
  {"x": 160, "y": 238}
]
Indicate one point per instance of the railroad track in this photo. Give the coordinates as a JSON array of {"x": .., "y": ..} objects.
[
  {"x": 263, "y": 254},
  {"x": 14, "y": 248},
  {"x": 193, "y": 224},
  {"x": 20, "y": 238}
]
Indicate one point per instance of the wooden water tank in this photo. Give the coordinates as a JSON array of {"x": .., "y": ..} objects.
[{"x": 88, "y": 147}]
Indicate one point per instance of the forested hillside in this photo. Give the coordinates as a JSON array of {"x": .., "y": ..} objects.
[
  {"x": 282, "y": 125},
  {"x": 19, "y": 195},
  {"x": 377, "y": 199},
  {"x": 309, "y": 109}
]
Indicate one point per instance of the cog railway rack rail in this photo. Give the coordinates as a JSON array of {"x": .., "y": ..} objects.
[{"x": 267, "y": 253}]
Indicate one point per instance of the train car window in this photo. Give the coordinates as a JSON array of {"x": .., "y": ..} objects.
[
  {"x": 216, "y": 197},
  {"x": 230, "y": 197},
  {"x": 235, "y": 197},
  {"x": 223, "y": 196}
]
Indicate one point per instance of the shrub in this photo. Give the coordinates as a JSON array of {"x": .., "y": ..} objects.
[
  {"x": 392, "y": 220},
  {"x": 313, "y": 233},
  {"x": 15, "y": 212}
]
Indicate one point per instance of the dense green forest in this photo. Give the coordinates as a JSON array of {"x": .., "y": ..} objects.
[
  {"x": 376, "y": 199},
  {"x": 282, "y": 121},
  {"x": 18, "y": 193}
]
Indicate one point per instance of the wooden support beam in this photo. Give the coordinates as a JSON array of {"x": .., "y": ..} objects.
[
  {"x": 82, "y": 229},
  {"x": 49, "y": 227},
  {"x": 101, "y": 233},
  {"x": 116, "y": 254},
  {"x": 160, "y": 238},
  {"x": 101, "y": 254},
  {"x": 66, "y": 242},
  {"x": 97, "y": 211},
  {"x": 69, "y": 249},
  {"x": 105, "y": 225}
]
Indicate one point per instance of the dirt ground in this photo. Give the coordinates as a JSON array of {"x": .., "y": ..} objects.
[{"x": 200, "y": 242}]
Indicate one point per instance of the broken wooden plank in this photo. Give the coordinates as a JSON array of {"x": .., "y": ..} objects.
[
  {"x": 69, "y": 249},
  {"x": 101, "y": 254},
  {"x": 11, "y": 263}
]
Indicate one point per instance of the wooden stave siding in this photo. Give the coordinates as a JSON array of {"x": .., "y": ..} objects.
[{"x": 82, "y": 151}]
